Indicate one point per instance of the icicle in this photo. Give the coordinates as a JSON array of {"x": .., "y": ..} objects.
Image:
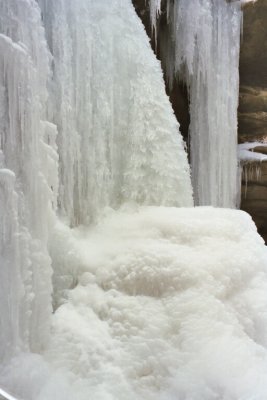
[{"x": 155, "y": 9}]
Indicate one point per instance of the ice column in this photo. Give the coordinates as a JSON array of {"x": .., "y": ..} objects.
[
  {"x": 203, "y": 50},
  {"x": 28, "y": 179}
]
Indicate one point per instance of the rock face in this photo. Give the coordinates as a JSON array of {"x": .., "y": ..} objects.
[
  {"x": 253, "y": 109},
  {"x": 253, "y": 73},
  {"x": 253, "y": 60},
  {"x": 252, "y": 113},
  {"x": 254, "y": 193}
]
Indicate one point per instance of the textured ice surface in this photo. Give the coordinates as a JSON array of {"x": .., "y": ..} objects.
[
  {"x": 87, "y": 126},
  {"x": 26, "y": 161},
  {"x": 118, "y": 137},
  {"x": 203, "y": 50},
  {"x": 166, "y": 303}
]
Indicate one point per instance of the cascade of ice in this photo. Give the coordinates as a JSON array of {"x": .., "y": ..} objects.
[
  {"x": 149, "y": 304},
  {"x": 28, "y": 168},
  {"x": 111, "y": 137},
  {"x": 118, "y": 138},
  {"x": 202, "y": 48}
]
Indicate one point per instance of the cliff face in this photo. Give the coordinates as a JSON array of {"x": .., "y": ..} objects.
[
  {"x": 253, "y": 73},
  {"x": 253, "y": 109},
  {"x": 253, "y": 59}
]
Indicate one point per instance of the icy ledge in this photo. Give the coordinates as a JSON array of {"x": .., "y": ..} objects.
[
  {"x": 245, "y": 154},
  {"x": 165, "y": 304}
]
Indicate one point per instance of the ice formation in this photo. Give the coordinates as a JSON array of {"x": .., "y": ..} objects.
[
  {"x": 118, "y": 137},
  {"x": 147, "y": 302},
  {"x": 85, "y": 123},
  {"x": 27, "y": 158},
  {"x": 202, "y": 49},
  {"x": 250, "y": 163}
]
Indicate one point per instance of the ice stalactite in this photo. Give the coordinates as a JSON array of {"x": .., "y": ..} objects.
[
  {"x": 202, "y": 49},
  {"x": 28, "y": 168},
  {"x": 249, "y": 163},
  {"x": 155, "y": 8}
]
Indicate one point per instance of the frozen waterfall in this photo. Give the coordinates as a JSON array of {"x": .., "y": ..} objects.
[
  {"x": 28, "y": 172},
  {"x": 112, "y": 286},
  {"x": 202, "y": 49},
  {"x": 117, "y": 136},
  {"x": 85, "y": 124}
]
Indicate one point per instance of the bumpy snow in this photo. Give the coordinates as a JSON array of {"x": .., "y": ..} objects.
[{"x": 165, "y": 303}]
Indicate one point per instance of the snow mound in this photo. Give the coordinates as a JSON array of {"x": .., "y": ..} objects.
[{"x": 157, "y": 303}]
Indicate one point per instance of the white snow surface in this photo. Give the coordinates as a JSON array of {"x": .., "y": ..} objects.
[
  {"x": 246, "y": 155},
  {"x": 162, "y": 303}
]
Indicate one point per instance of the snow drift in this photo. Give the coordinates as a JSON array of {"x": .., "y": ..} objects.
[{"x": 158, "y": 303}]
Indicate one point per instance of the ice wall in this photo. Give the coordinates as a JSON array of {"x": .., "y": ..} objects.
[
  {"x": 27, "y": 159},
  {"x": 118, "y": 138},
  {"x": 84, "y": 123},
  {"x": 202, "y": 49}
]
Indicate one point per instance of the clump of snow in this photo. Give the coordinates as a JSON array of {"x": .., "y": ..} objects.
[
  {"x": 246, "y": 155},
  {"x": 164, "y": 303}
]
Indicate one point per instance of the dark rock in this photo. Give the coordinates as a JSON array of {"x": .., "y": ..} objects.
[
  {"x": 253, "y": 60},
  {"x": 254, "y": 195},
  {"x": 253, "y": 109}
]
